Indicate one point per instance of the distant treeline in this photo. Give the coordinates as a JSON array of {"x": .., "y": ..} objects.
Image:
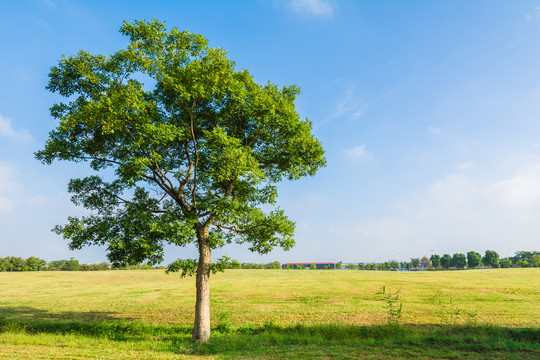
[
  {"x": 471, "y": 260},
  {"x": 13, "y": 263}
]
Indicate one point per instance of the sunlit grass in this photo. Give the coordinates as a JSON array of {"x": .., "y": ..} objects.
[{"x": 270, "y": 314}]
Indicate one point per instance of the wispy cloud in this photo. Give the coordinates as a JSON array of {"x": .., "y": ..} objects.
[
  {"x": 358, "y": 152},
  {"x": 7, "y": 130},
  {"x": 354, "y": 105},
  {"x": 319, "y": 8},
  {"x": 350, "y": 103}
]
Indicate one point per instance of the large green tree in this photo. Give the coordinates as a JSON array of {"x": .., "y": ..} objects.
[
  {"x": 446, "y": 261},
  {"x": 474, "y": 259},
  {"x": 187, "y": 157},
  {"x": 491, "y": 258},
  {"x": 435, "y": 260}
]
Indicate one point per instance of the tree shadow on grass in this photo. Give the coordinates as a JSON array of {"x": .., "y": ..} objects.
[
  {"x": 274, "y": 341},
  {"x": 91, "y": 323},
  {"x": 30, "y": 313}
]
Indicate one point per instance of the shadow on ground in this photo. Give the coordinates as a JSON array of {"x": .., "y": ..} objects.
[{"x": 275, "y": 341}]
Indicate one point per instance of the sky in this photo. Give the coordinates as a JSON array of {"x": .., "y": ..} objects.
[{"x": 429, "y": 113}]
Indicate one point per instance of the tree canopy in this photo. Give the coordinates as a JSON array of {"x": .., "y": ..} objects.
[{"x": 187, "y": 157}]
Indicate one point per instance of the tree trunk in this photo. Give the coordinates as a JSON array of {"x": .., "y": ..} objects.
[{"x": 201, "y": 327}]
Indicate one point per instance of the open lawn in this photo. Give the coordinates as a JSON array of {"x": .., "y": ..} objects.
[{"x": 274, "y": 314}]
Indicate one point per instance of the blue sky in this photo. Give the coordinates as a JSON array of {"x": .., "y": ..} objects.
[{"x": 429, "y": 112}]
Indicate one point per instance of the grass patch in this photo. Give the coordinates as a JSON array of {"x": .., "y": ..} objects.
[{"x": 265, "y": 314}]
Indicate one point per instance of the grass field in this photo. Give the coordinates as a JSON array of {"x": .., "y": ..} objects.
[{"x": 276, "y": 314}]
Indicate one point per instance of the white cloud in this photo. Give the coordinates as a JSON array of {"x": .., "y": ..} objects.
[
  {"x": 457, "y": 213},
  {"x": 7, "y": 130},
  {"x": 358, "y": 152},
  {"x": 321, "y": 8},
  {"x": 519, "y": 192}
]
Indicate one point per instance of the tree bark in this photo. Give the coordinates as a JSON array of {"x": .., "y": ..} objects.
[{"x": 201, "y": 327}]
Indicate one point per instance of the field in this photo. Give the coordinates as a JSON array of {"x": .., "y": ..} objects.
[{"x": 273, "y": 314}]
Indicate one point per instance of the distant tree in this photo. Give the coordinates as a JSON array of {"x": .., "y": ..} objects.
[
  {"x": 325, "y": 267},
  {"x": 425, "y": 262},
  {"x": 523, "y": 263},
  {"x": 505, "y": 263},
  {"x": 535, "y": 260},
  {"x": 35, "y": 264},
  {"x": 351, "y": 267},
  {"x": 56, "y": 265},
  {"x": 435, "y": 261},
  {"x": 103, "y": 266},
  {"x": 339, "y": 265},
  {"x": 16, "y": 264},
  {"x": 459, "y": 261},
  {"x": 394, "y": 264},
  {"x": 301, "y": 267},
  {"x": 415, "y": 262},
  {"x": 361, "y": 266},
  {"x": 446, "y": 261},
  {"x": 4, "y": 264},
  {"x": 276, "y": 265},
  {"x": 491, "y": 258},
  {"x": 524, "y": 255},
  {"x": 71, "y": 265},
  {"x": 474, "y": 259},
  {"x": 313, "y": 267}
]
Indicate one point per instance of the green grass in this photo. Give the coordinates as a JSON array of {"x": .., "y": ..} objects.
[{"x": 269, "y": 314}]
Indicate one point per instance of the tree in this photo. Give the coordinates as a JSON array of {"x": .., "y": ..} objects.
[
  {"x": 351, "y": 266},
  {"x": 535, "y": 260},
  {"x": 524, "y": 256},
  {"x": 4, "y": 264},
  {"x": 313, "y": 267},
  {"x": 16, "y": 264},
  {"x": 491, "y": 258},
  {"x": 505, "y": 263},
  {"x": 191, "y": 156},
  {"x": 435, "y": 260},
  {"x": 415, "y": 262},
  {"x": 35, "y": 264},
  {"x": 446, "y": 261},
  {"x": 339, "y": 265},
  {"x": 71, "y": 265},
  {"x": 425, "y": 262},
  {"x": 474, "y": 259},
  {"x": 459, "y": 261}
]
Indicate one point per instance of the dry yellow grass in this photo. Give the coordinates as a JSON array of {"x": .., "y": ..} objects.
[{"x": 504, "y": 297}]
